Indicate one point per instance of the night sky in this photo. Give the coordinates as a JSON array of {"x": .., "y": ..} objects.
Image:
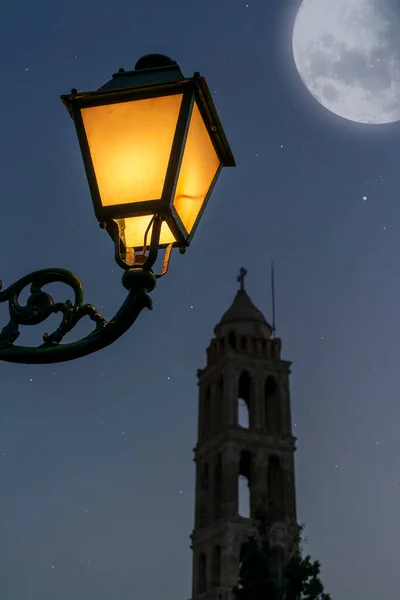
[{"x": 96, "y": 471}]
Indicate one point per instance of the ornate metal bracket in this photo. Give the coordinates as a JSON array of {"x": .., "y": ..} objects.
[
  {"x": 40, "y": 305},
  {"x": 138, "y": 279}
]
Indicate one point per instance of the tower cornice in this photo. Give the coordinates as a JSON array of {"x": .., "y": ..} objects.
[
  {"x": 239, "y": 362},
  {"x": 236, "y": 435}
]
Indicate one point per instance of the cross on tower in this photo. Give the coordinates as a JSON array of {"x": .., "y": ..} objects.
[{"x": 240, "y": 278}]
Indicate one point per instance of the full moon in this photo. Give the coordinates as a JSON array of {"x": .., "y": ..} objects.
[{"x": 347, "y": 53}]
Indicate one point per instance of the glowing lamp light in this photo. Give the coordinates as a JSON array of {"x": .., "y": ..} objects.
[{"x": 152, "y": 144}]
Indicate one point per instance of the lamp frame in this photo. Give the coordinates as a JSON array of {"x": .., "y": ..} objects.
[{"x": 193, "y": 90}]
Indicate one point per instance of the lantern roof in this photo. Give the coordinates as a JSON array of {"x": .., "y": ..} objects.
[
  {"x": 150, "y": 69},
  {"x": 157, "y": 71}
]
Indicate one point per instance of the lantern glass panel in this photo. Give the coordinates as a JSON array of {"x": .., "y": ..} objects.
[
  {"x": 199, "y": 167},
  {"x": 130, "y": 146},
  {"x": 133, "y": 230}
]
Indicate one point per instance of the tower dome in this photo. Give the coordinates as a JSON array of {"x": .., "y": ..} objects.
[
  {"x": 243, "y": 309},
  {"x": 243, "y": 315}
]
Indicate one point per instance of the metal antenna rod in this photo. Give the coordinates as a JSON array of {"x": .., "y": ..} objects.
[{"x": 273, "y": 297}]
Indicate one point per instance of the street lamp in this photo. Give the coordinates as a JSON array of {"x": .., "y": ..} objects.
[{"x": 153, "y": 147}]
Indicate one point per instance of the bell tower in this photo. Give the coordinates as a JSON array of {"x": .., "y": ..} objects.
[{"x": 244, "y": 373}]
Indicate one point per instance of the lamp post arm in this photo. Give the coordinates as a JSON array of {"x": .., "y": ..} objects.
[{"x": 40, "y": 305}]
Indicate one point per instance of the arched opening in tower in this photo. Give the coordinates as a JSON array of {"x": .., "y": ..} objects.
[
  {"x": 244, "y": 400},
  {"x": 244, "y": 485},
  {"x": 273, "y": 408},
  {"x": 276, "y": 489},
  {"x": 207, "y": 413},
  {"x": 232, "y": 340},
  {"x": 202, "y": 574},
  {"x": 204, "y": 476},
  {"x": 216, "y": 566},
  {"x": 218, "y": 487},
  {"x": 202, "y": 500},
  {"x": 219, "y": 405}
]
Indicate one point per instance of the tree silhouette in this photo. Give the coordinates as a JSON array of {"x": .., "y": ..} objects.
[
  {"x": 302, "y": 580},
  {"x": 258, "y": 578},
  {"x": 256, "y": 581}
]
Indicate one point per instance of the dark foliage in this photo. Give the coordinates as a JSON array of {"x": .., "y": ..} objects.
[
  {"x": 257, "y": 580},
  {"x": 302, "y": 580}
]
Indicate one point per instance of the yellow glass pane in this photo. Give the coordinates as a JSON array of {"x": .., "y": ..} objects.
[
  {"x": 199, "y": 166},
  {"x": 130, "y": 145},
  {"x": 133, "y": 230}
]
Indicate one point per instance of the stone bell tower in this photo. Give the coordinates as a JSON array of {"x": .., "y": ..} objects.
[{"x": 244, "y": 367}]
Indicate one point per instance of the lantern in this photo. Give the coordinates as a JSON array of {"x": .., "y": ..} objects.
[{"x": 152, "y": 145}]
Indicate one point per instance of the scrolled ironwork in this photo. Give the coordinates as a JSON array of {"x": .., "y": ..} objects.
[{"x": 40, "y": 306}]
